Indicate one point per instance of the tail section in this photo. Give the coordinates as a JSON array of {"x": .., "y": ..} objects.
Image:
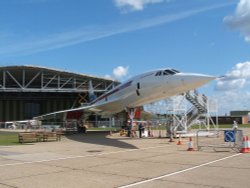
[{"x": 92, "y": 95}]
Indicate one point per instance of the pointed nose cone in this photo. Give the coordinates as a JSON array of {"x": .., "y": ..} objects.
[{"x": 192, "y": 81}]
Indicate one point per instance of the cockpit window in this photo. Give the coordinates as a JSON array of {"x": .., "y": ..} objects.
[
  {"x": 167, "y": 72},
  {"x": 158, "y": 73}
]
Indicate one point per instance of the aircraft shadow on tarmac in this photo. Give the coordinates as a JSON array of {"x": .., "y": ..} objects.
[{"x": 100, "y": 138}]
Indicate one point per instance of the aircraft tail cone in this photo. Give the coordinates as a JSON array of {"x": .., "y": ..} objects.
[
  {"x": 190, "y": 145},
  {"x": 179, "y": 141},
  {"x": 244, "y": 148}
]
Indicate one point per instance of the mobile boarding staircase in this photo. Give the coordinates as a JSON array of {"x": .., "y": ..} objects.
[{"x": 198, "y": 113}]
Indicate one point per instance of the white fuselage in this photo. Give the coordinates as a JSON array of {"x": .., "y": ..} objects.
[{"x": 149, "y": 87}]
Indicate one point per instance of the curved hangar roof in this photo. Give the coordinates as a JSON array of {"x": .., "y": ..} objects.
[{"x": 42, "y": 79}]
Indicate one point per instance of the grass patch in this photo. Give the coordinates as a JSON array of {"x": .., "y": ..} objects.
[
  {"x": 226, "y": 126},
  {"x": 7, "y": 139}
]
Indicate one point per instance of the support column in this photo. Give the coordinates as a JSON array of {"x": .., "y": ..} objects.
[{"x": 1, "y": 111}]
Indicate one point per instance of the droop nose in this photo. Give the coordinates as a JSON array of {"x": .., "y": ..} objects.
[{"x": 192, "y": 81}]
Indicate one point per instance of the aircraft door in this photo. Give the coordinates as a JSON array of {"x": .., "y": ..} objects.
[{"x": 138, "y": 87}]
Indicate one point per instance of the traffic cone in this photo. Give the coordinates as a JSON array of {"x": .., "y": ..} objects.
[
  {"x": 190, "y": 145},
  {"x": 244, "y": 148},
  {"x": 248, "y": 143},
  {"x": 179, "y": 141}
]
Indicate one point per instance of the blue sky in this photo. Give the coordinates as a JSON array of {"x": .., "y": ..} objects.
[{"x": 95, "y": 37}]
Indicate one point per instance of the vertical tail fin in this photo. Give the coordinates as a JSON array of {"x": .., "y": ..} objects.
[{"x": 92, "y": 95}]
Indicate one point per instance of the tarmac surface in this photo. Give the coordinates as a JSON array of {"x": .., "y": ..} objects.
[{"x": 99, "y": 160}]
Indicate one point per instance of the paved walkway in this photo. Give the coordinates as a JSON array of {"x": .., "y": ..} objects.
[{"x": 97, "y": 160}]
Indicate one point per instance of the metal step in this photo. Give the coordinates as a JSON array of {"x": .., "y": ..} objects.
[{"x": 199, "y": 103}]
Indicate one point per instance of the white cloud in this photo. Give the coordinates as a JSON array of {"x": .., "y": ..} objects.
[
  {"x": 237, "y": 78},
  {"x": 232, "y": 100},
  {"x": 241, "y": 70},
  {"x": 135, "y": 5},
  {"x": 108, "y": 76},
  {"x": 233, "y": 89},
  {"x": 230, "y": 84},
  {"x": 120, "y": 72},
  {"x": 241, "y": 19}
]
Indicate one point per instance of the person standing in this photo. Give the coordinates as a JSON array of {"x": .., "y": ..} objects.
[
  {"x": 140, "y": 127},
  {"x": 235, "y": 125}
]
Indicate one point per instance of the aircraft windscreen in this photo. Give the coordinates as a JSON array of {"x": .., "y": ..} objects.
[{"x": 167, "y": 72}]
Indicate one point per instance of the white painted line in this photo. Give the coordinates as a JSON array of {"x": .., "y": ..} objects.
[
  {"x": 178, "y": 172},
  {"x": 83, "y": 156}
]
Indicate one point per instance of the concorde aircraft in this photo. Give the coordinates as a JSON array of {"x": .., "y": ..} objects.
[{"x": 142, "y": 89}]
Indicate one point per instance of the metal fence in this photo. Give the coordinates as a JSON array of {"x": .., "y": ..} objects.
[{"x": 219, "y": 139}]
